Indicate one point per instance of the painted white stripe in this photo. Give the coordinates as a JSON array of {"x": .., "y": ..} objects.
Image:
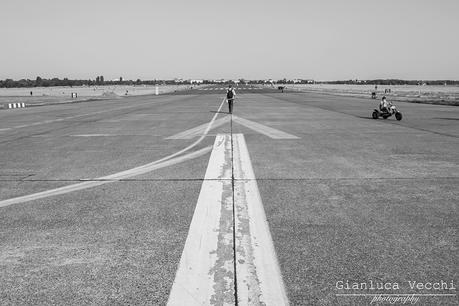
[
  {"x": 197, "y": 131},
  {"x": 105, "y": 179},
  {"x": 16, "y": 105},
  {"x": 206, "y": 270},
  {"x": 263, "y": 129},
  {"x": 205, "y": 275},
  {"x": 259, "y": 280}
]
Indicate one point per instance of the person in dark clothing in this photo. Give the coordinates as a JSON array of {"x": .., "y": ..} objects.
[{"x": 230, "y": 95}]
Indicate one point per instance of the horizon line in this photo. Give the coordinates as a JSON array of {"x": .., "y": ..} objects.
[{"x": 233, "y": 79}]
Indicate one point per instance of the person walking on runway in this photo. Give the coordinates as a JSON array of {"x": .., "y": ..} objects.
[{"x": 230, "y": 95}]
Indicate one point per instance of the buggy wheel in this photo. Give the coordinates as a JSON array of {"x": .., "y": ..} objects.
[
  {"x": 398, "y": 116},
  {"x": 374, "y": 115}
]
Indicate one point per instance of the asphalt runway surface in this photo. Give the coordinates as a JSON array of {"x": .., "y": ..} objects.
[{"x": 347, "y": 198}]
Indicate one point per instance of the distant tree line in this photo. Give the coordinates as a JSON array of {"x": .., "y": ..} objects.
[
  {"x": 99, "y": 80},
  {"x": 394, "y": 82},
  {"x": 41, "y": 82}
]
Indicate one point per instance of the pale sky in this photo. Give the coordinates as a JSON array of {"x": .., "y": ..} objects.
[{"x": 253, "y": 39}]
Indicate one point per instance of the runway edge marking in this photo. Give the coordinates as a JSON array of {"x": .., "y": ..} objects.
[
  {"x": 259, "y": 279},
  {"x": 205, "y": 275}
]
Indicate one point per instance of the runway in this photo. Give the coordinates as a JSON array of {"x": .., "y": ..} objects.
[{"x": 97, "y": 199}]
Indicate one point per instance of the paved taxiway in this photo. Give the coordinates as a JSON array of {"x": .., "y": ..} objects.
[{"x": 347, "y": 198}]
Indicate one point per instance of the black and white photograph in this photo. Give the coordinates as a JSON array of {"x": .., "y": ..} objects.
[{"x": 245, "y": 153}]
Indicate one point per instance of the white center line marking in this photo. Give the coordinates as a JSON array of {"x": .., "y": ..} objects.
[
  {"x": 259, "y": 280},
  {"x": 206, "y": 271},
  {"x": 206, "y": 275}
]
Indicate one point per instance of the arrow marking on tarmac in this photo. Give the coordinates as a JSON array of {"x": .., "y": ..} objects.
[
  {"x": 263, "y": 129},
  {"x": 206, "y": 274},
  {"x": 257, "y": 127}
]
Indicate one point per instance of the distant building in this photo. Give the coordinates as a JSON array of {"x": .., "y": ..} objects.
[
  {"x": 196, "y": 81},
  {"x": 303, "y": 81}
]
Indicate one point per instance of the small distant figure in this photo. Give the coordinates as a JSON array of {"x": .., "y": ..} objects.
[
  {"x": 230, "y": 95},
  {"x": 126, "y": 92},
  {"x": 373, "y": 95},
  {"x": 31, "y": 93}
]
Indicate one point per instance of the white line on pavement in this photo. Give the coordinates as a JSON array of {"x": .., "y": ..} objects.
[
  {"x": 206, "y": 275},
  {"x": 259, "y": 280}
]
